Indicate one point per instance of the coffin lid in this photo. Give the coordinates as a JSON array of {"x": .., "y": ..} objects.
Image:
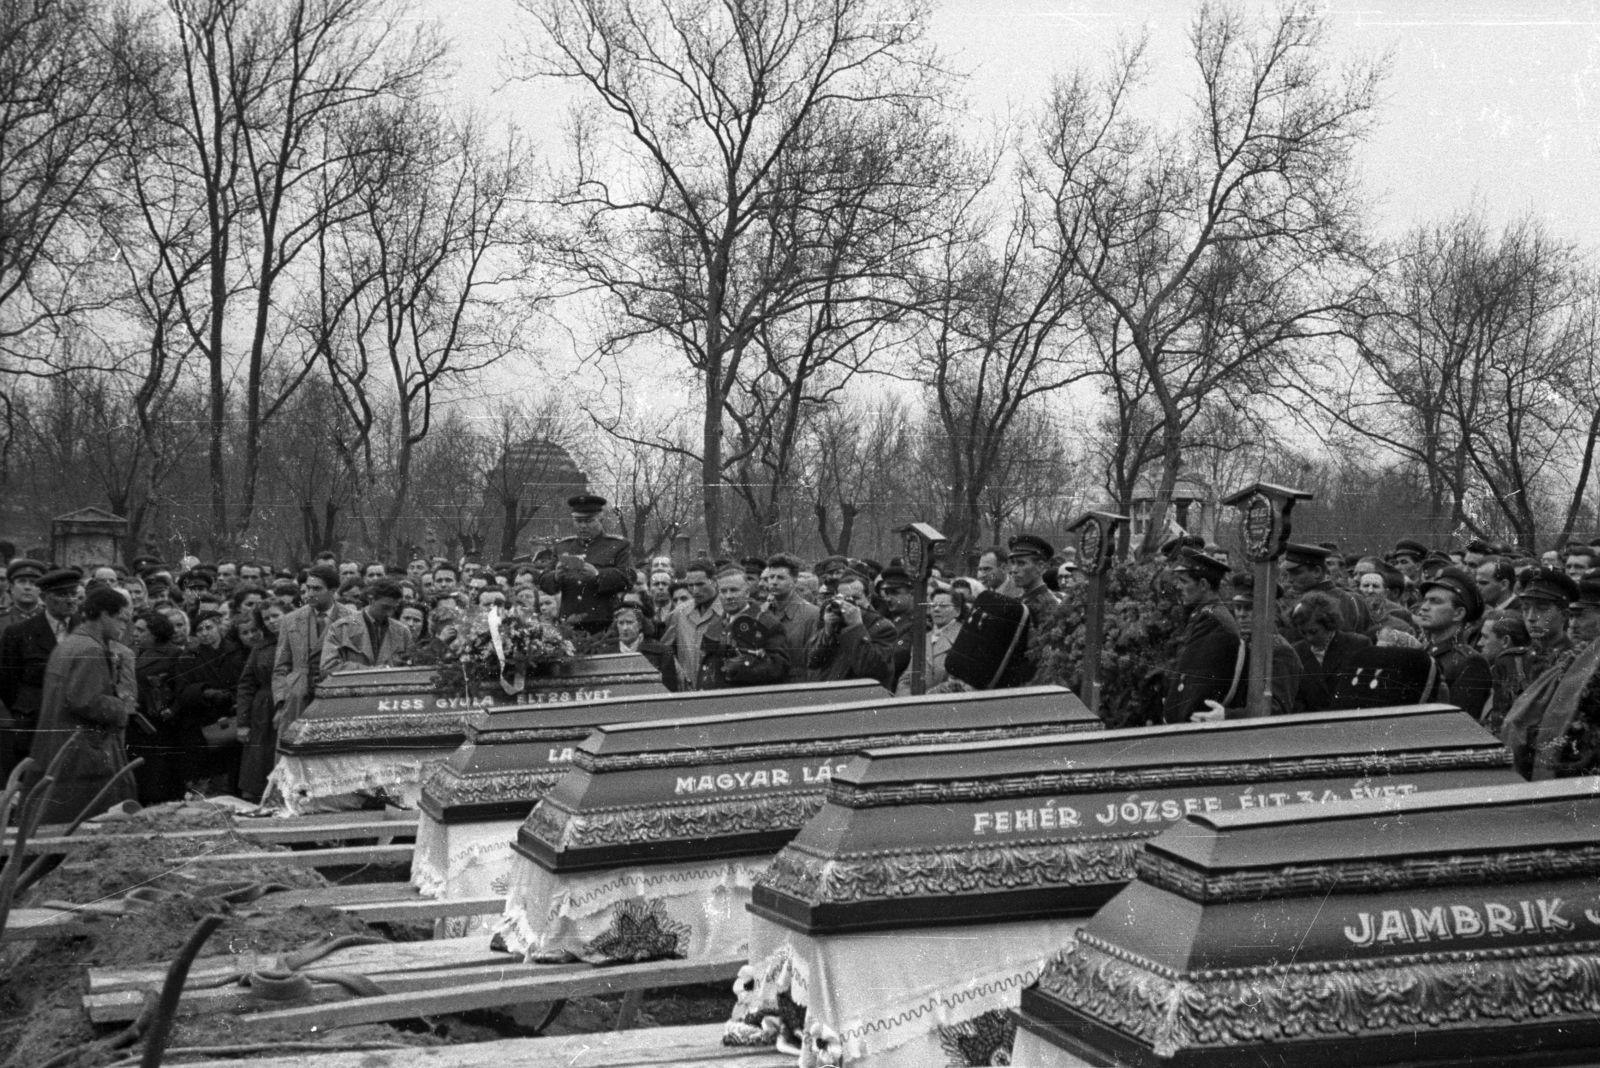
[
  {"x": 1488, "y": 821},
  {"x": 1201, "y": 745},
  {"x": 361, "y": 682},
  {"x": 895, "y": 715},
  {"x": 485, "y": 726}
]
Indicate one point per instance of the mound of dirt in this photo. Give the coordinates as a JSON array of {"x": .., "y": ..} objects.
[{"x": 42, "y": 983}]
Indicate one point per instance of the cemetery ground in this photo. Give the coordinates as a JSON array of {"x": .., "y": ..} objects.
[{"x": 147, "y": 883}]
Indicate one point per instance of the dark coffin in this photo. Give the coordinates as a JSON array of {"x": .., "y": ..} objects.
[
  {"x": 1451, "y": 928},
  {"x": 514, "y": 754},
  {"x": 1035, "y": 828},
  {"x": 743, "y": 783},
  {"x": 396, "y": 708}
]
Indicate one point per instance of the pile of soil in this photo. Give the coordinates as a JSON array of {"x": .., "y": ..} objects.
[{"x": 42, "y": 983}]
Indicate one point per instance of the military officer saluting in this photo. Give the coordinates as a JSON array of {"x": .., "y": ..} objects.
[{"x": 592, "y": 568}]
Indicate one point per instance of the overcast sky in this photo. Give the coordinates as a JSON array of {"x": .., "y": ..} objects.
[{"x": 1496, "y": 101}]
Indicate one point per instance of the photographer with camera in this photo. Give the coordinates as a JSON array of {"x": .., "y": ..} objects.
[
  {"x": 745, "y": 646},
  {"x": 853, "y": 642}
]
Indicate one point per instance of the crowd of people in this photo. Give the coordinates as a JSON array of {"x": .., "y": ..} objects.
[
  {"x": 1508, "y": 638},
  {"x": 198, "y": 667}
]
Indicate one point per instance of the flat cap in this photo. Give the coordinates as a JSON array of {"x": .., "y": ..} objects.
[
  {"x": 1030, "y": 545},
  {"x": 829, "y": 564},
  {"x": 1195, "y": 562},
  {"x": 1552, "y": 586},
  {"x": 1463, "y": 585},
  {"x": 586, "y": 503},
  {"x": 23, "y": 567},
  {"x": 62, "y": 578}
]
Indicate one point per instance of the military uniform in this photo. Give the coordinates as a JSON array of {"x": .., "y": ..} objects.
[
  {"x": 15, "y": 613},
  {"x": 1461, "y": 667},
  {"x": 21, "y": 569},
  {"x": 1464, "y": 670},
  {"x": 1207, "y": 663},
  {"x": 24, "y": 654},
  {"x": 1208, "y": 656},
  {"x": 587, "y": 601}
]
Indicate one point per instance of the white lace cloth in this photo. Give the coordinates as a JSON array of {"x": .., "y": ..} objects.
[
  {"x": 324, "y": 782},
  {"x": 460, "y": 860},
  {"x": 703, "y": 902},
  {"x": 887, "y": 993}
]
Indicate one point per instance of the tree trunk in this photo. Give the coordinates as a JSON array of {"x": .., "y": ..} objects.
[{"x": 1171, "y": 464}]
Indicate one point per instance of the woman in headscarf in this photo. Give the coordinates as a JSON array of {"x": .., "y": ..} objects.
[{"x": 252, "y": 706}]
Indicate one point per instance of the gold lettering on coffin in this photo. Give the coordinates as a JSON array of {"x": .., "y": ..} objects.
[
  {"x": 833, "y": 880},
  {"x": 1466, "y": 990},
  {"x": 1365, "y": 765},
  {"x": 560, "y": 828},
  {"x": 1367, "y": 876}
]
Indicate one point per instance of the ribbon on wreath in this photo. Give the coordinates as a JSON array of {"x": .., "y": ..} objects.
[{"x": 512, "y": 681}]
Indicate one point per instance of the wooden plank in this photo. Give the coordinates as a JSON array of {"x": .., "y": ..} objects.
[
  {"x": 425, "y": 909},
  {"x": 363, "y": 960},
  {"x": 337, "y": 897},
  {"x": 538, "y": 987},
  {"x": 122, "y": 1006},
  {"x": 24, "y": 924},
  {"x": 311, "y": 858},
  {"x": 696, "y": 1046},
  {"x": 329, "y": 827}
]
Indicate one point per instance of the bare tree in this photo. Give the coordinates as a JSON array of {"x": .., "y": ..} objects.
[
  {"x": 60, "y": 122},
  {"x": 247, "y": 160},
  {"x": 1476, "y": 362},
  {"x": 414, "y": 292},
  {"x": 1215, "y": 250},
  {"x": 864, "y": 455},
  {"x": 1000, "y": 331},
  {"x": 722, "y": 147}
]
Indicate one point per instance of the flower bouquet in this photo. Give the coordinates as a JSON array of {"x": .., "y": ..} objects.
[{"x": 494, "y": 653}]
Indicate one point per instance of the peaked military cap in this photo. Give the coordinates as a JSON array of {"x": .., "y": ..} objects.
[
  {"x": 1193, "y": 561},
  {"x": 1408, "y": 547},
  {"x": 62, "y": 578},
  {"x": 1463, "y": 585},
  {"x": 1552, "y": 586},
  {"x": 1030, "y": 545},
  {"x": 23, "y": 567},
  {"x": 586, "y": 503},
  {"x": 1306, "y": 555}
]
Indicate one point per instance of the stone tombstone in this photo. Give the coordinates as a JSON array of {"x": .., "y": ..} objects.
[{"x": 87, "y": 538}]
